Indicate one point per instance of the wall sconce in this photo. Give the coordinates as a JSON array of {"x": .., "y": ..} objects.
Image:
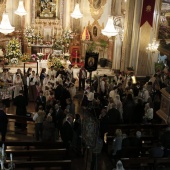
[
  {"x": 109, "y": 29},
  {"x": 76, "y": 13},
  {"x": 21, "y": 10}
]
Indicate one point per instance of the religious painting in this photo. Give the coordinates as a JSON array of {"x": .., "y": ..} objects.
[
  {"x": 94, "y": 30},
  {"x": 96, "y": 8},
  {"x": 47, "y": 9},
  {"x": 47, "y": 34},
  {"x": 164, "y": 21}
]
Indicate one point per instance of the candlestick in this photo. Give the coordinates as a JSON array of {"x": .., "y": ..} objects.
[{"x": 11, "y": 157}]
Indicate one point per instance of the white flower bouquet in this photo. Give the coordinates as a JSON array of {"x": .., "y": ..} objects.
[
  {"x": 66, "y": 56},
  {"x": 14, "y": 60},
  {"x": 40, "y": 55}
]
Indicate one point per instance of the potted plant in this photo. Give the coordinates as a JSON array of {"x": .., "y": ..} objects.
[{"x": 103, "y": 45}]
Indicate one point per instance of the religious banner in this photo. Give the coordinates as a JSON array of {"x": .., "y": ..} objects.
[
  {"x": 91, "y": 61},
  {"x": 147, "y": 12}
]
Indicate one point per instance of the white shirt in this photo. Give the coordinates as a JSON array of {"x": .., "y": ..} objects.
[
  {"x": 51, "y": 72},
  {"x": 102, "y": 86}
]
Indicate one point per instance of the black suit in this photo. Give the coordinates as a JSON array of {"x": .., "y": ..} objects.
[
  {"x": 3, "y": 124},
  {"x": 58, "y": 92},
  {"x": 67, "y": 134},
  {"x": 41, "y": 100},
  {"x": 20, "y": 102}
]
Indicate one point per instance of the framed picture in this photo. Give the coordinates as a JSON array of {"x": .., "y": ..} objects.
[
  {"x": 47, "y": 9},
  {"x": 164, "y": 20},
  {"x": 96, "y": 8}
]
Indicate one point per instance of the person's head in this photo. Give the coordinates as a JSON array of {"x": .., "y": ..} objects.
[
  {"x": 33, "y": 72},
  {"x": 138, "y": 134},
  {"x": 52, "y": 67},
  {"x": 41, "y": 93},
  {"x": 119, "y": 166},
  {"x": 18, "y": 70},
  {"x": 68, "y": 101},
  {"x": 57, "y": 106},
  {"x": 40, "y": 107},
  {"x": 18, "y": 76},
  {"x": 49, "y": 118},
  {"x": 118, "y": 132},
  {"x": 43, "y": 70},
  {"x": 69, "y": 118},
  {"x": 70, "y": 66}
]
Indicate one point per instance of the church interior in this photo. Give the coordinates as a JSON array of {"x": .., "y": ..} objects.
[{"x": 85, "y": 84}]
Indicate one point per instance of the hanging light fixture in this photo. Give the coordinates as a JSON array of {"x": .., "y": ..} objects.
[
  {"x": 76, "y": 13},
  {"x": 152, "y": 47},
  {"x": 109, "y": 29},
  {"x": 5, "y": 26},
  {"x": 21, "y": 10}
]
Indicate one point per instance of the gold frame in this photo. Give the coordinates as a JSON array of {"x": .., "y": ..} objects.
[
  {"x": 2, "y": 7},
  {"x": 162, "y": 21},
  {"x": 96, "y": 8},
  {"x": 38, "y": 9},
  {"x": 96, "y": 25}
]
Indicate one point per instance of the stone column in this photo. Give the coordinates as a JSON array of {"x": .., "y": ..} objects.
[{"x": 129, "y": 17}]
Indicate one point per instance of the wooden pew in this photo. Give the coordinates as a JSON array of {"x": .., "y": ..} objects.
[
  {"x": 58, "y": 164},
  {"x": 141, "y": 162},
  {"x": 29, "y": 144},
  {"x": 137, "y": 163},
  {"x": 38, "y": 154},
  {"x": 20, "y": 119}
]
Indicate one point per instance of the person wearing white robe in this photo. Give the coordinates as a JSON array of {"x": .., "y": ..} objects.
[{"x": 18, "y": 83}]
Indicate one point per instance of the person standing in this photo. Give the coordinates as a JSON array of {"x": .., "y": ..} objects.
[
  {"x": 18, "y": 83},
  {"x": 3, "y": 122},
  {"x": 41, "y": 101},
  {"x": 82, "y": 78},
  {"x": 20, "y": 102}
]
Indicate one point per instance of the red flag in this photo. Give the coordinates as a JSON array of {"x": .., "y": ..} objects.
[{"x": 147, "y": 12}]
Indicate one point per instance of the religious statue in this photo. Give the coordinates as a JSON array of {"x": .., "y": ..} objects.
[{"x": 47, "y": 8}]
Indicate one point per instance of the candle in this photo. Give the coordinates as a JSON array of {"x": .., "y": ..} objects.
[
  {"x": 2, "y": 166},
  {"x": 53, "y": 32},
  {"x": 2, "y": 150},
  {"x": 11, "y": 157}
]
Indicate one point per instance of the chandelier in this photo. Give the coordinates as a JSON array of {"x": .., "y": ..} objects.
[
  {"x": 76, "y": 13},
  {"x": 109, "y": 29},
  {"x": 5, "y": 26},
  {"x": 152, "y": 47},
  {"x": 21, "y": 10}
]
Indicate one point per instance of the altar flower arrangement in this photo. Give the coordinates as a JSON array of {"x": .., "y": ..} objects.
[
  {"x": 40, "y": 56},
  {"x": 25, "y": 57},
  {"x": 66, "y": 56},
  {"x": 13, "y": 49},
  {"x": 34, "y": 57},
  {"x": 14, "y": 61},
  {"x": 54, "y": 61}
]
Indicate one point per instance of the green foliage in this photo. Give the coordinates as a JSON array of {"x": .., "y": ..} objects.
[
  {"x": 103, "y": 43},
  {"x": 91, "y": 47}
]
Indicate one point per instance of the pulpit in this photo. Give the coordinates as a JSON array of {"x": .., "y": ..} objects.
[{"x": 164, "y": 111}]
